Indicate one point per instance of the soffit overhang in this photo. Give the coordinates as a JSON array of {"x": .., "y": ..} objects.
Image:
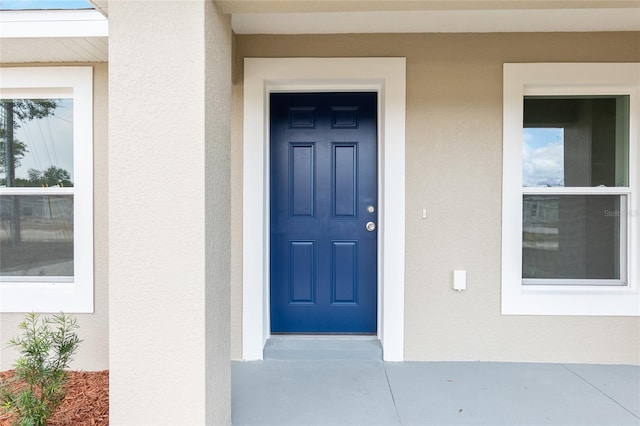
[
  {"x": 101, "y": 6},
  {"x": 53, "y": 36},
  {"x": 439, "y": 21},
  {"x": 82, "y": 35},
  {"x": 231, "y": 7},
  {"x": 429, "y": 16}
]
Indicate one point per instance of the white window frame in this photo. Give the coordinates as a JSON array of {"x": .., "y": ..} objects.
[
  {"x": 75, "y": 83},
  {"x": 559, "y": 79}
]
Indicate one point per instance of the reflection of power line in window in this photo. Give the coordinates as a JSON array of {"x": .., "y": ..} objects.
[
  {"x": 44, "y": 142},
  {"x": 63, "y": 119},
  {"x": 31, "y": 144},
  {"x": 41, "y": 142},
  {"x": 53, "y": 145}
]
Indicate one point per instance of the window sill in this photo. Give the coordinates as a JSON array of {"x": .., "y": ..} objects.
[
  {"x": 45, "y": 297},
  {"x": 570, "y": 300}
]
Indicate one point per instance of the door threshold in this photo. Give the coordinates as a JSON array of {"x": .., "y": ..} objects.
[
  {"x": 319, "y": 336},
  {"x": 322, "y": 347}
]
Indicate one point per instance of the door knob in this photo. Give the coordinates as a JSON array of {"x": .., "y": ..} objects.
[{"x": 371, "y": 226}]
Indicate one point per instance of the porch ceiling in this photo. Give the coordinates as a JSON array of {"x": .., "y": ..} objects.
[
  {"x": 282, "y": 6},
  {"x": 82, "y": 35},
  {"x": 398, "y": 16}
]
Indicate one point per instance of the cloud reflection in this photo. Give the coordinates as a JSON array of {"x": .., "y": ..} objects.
[{"x": 543, "y": 157}]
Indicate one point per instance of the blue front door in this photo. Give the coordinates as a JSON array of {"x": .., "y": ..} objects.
[{"x": 324, "y": 212}]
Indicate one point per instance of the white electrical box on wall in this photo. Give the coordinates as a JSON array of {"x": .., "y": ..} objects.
[{"x": 459, "y": 280}]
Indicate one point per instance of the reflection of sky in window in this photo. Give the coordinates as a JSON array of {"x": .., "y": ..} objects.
[
  {"x": 49, "y": 141},
  {"x": 44, "y": 4},
  {"x": 543, "y": 157}
]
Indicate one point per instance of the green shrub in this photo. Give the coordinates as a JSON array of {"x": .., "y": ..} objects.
[{"x": 46, "y": 346}]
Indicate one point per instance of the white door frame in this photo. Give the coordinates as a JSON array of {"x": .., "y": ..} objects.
[{"x": 383, "y": 75}]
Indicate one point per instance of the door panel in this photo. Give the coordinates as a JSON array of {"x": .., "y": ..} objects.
[{"x": 323, "y": 180}]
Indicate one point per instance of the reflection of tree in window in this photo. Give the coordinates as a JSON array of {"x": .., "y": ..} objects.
[
  {"x": 37, "y": 141},
  {"x": 36, "y": 229}
]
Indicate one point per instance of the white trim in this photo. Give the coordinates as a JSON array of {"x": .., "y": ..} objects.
[
  {"x": 387, "y": 77},
  {"x": 439, "y": 21},
  {"x": 52, "y": 23},
  {"x": 576, "y": 190},
  {"x": 565, "y": 79},
  {"x": 76, "y": 296}
]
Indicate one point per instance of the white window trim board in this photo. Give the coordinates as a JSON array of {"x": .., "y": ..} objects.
[
  {"x": 76, "y": 83},
  {"x": 383, "y": 75},
  {"x": 564, "y": 79}
]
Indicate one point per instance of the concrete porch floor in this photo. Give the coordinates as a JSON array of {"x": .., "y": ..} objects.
[{"x": 372, "y": 392}]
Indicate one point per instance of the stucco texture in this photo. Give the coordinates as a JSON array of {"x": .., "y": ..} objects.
[
  {"x": 93, "y": 353},
  {"x": 453, "y": 170},
  {"x": 170, "y": 72}
]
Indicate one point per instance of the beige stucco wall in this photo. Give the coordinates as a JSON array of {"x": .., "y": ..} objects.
[
  {"x": 93, "y": 353},
  {"x": 453, "y": 169},
  {"x": 218, "y": 58},
  {"x": 169, "y": 233}
]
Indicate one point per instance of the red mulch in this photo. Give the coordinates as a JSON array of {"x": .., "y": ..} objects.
[{"x": 86, "y": 402}]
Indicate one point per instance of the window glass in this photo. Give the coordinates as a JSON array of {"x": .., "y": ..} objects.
[
  {"x": 36, "y": 153},
  {"x": 39, "y": 140},
  {"x": 572, "y": 237},
  {"x": 36, "y": 236},
  {"x": 576, "y": 141}
]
